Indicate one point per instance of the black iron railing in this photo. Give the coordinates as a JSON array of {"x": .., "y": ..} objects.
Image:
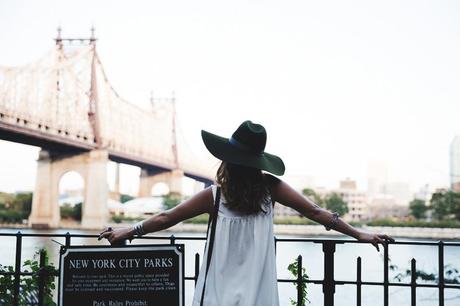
[{"x": 328, "y": 282}]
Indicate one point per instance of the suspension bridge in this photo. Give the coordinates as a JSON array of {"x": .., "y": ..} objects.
[{"x": 64, "y": 103}]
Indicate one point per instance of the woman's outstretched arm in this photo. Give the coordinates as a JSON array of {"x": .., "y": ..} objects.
[
  {"x": 200, "y": 203},
  {"x": 286, "y": 195}
]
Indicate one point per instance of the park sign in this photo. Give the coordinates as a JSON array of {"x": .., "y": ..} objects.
[{"x": 139, "y": 275}]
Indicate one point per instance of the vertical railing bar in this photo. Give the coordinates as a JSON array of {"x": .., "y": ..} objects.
[
  {"x": 197, "y": 267},
  {"x": 441, "y": 272},
  {"x": 413, "y": 284},
  {"x": 358, "y": 281},
  {"x": 328, "y": 282},
  {"x": 299, "y": 281},
  {"x": 17, "y": 268},
  {"x": 41, "y": 277},
  {"x": 276, "y": 243},
  {"x": 385, "y": 274},
  {"x": 67, "y": 239}
]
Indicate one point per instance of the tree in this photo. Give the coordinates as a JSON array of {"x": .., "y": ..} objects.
[
  {"x": 171, "y": 200},
  {"x": 22, "y": 203},
  {"x": 453, "y": 198},
  {"x": 446, "y": 205},
  {"x": 308, "y": 192},
  {"x": 335, "y": 203},
  {"x": 440, "y": 205},
  {"x": 418, "y": 208},
  {"x": 71, "y": 212},
  {"x": 125, "y": 198}
]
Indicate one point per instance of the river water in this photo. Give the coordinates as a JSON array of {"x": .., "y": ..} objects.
[{"x": 287, "y": 252}]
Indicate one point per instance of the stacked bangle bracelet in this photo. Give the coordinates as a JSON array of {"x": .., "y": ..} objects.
[
  {"x": 139, "y": 228},
  {"x": 335, "y": 217}
]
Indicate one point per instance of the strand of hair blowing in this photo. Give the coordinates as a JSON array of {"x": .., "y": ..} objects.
[{"x": 244, "y": 188}]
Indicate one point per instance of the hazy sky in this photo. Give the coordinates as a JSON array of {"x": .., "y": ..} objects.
[{"x": 337, "y": 84}]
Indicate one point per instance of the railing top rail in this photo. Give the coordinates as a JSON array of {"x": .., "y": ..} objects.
[{"x": 169, "y": 237}]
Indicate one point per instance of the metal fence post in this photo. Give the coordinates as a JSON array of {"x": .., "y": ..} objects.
[
  {"x": 197, "y": 267},
  {"x": 328, "y": 283},
  {"x": 67, "y": 239},
  {"x": 41, "y": 278},
  {"x": 413, "y": 284},
  {"x": 441, "y": 272},
  {"x": 17, "y": 269},
  {"x": 299, "y": 281},
  {"x": 385, "y": 275},
  {"x": 358, "y": 281}
]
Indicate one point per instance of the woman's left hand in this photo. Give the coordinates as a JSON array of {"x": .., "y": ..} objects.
[
  {"x": 375, "y": 239},
  {"x": 115, "y": 235}
]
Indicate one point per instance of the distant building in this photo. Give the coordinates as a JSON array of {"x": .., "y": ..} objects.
[
  {"x": 455, "y": 164},
  {"x": 377, "y": 177},
  {"x": 348, "y": 184},
  {"x": 399, "y": 190},
  {"x": 282, "y": 211},
  {"x": 356, "y": 200},
  {"x": 424, "y": 194},
  {"x": 387, "y": 207}
]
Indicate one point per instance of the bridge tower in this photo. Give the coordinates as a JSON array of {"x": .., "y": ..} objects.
[
  {"x": 51, "y": 166},
  {"x": 172, "y": 178},
  {"x": 92, "y": 165}
]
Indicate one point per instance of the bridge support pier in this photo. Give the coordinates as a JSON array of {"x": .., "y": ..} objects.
[
  {"x": 51, "y": 166},
  {"x": 171, "y": 178}
]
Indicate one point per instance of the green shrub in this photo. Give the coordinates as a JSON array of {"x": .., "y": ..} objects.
[
  {"x": 125, "y": 198},
  {"x": 66, "y": 211},
  {"x": 293, "y": 268},
  {"x": 10, "y": 216},
  {"x": 72, "y": 212},
  {"x": 29, "y": 285}
]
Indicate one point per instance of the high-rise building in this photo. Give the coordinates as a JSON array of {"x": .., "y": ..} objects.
[
  {"x": 455, "y": 164},
  {"x": 399, "y": 190},
  {"x": 377, "y": 177}
]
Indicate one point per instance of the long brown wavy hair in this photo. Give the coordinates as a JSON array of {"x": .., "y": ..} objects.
[{"x": 244, "y": 188}]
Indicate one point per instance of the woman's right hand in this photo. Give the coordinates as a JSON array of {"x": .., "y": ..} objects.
[
  {"x": 374, "y": 239},
  {"x": 116, "y": 235}
]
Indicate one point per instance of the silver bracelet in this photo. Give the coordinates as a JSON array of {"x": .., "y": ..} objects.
[
  {"x": 139, "y": 228},
  {"x": 335, "y": 217}
]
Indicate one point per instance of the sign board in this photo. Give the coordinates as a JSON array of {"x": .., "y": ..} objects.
[{"x": 139, "y": 275}]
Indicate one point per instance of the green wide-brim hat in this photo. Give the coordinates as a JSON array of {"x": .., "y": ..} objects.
[{"x": 245, "y": 147}]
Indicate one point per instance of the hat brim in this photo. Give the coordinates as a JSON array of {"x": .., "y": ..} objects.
[{"x": 222, "y": 149}]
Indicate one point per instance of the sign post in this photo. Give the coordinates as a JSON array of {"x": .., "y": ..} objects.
[{"x": 140, "y": 275}]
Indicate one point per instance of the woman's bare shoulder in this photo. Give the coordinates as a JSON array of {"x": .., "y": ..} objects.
[{"x": 271, "y": 180}]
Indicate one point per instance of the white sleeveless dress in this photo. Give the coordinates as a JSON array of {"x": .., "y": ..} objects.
[{"x": 243, "y": 265}]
